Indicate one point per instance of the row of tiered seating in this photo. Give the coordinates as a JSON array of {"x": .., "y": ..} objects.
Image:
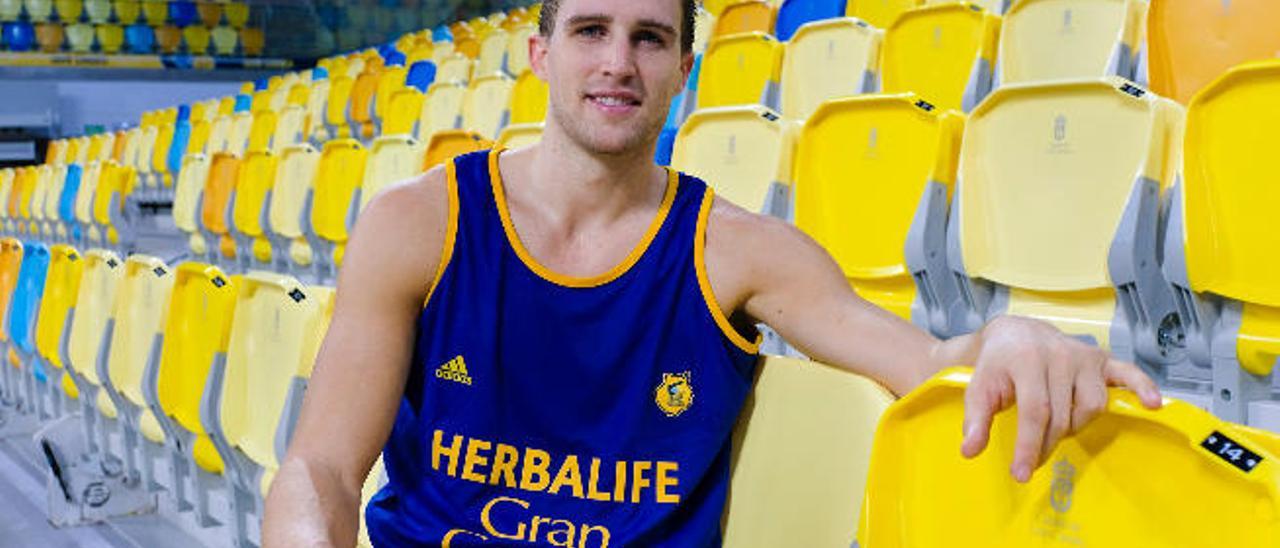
[{"x": 110, "y": 27}]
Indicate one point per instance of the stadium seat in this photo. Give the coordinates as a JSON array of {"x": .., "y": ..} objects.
[
  {"x": 68, "y": 10},
  {"x": 252, "y": 41},
  {"x": 84, "y": 198},
  {"x": 745, "y": 16},
  {"x": 97, "y": 12},
  {"x": 391, "y": 159},
  {"x": 520, "y": 135},
  {"x": 39, "y": 11},
  {"x": 80, "y": 37},
  {"x": 241, "y": 130},
  {"x": 92, "y": 309},
  {"x": 215, "y": 203},
  {"x": 210, "y": 13},
  {"x": 182, "y": 13},
  {"x": 7, "y": 176},
  {"x": 259, "y": 378},
  {"x": 155, "y": 12},
  {"x": 517, "y": 59},
  {"x": 792, "y": 14},
  {"x": 69, "y": 228},
  {"x": 168, "y": 39},
  {"x": 1056, "y": 214},
  {"x": 50, "y": 37},
  {"x": 485, "y": 107},
  {"x": 493, "y": 50},
  {"x": 10, "y": 265},
  {"x": 529, "y": 99},
  {"x": 456, "y": 68},
  {"x": 880, "y": 13},
  {"x": 1106, "y": 485},
  {"x": 1061, "y": 39},
  {"x": 445, "y": 145},
  {"x": 360, "y": 109},
  {"x": 113, "y": 211},
  {"x": 744, "y": 153},
  {"x": 442, "y": 109},
  {"x": 828, "y": 59},
  {"x": 295, "y": 176},
  {"x": 20, "y": 325},
  {"x": 944, "y": 53},
  {"x": 139, "y": 39},
  {"x": 187, "y": 196},
  {"x": 1192, "y": 42},
  {"x": 340, "y": 172},
  {"x": 237, "y": 14},
  {"x": 811, "y": 505},
  {"x": 10, "y": 10},
  {"x": 127, "y": 12},
  {"x": 225, "y": 39},
  {"x": 18, "y": 36},
  {"x": 873, "y": 177},
  {"x": 335, "y": 117},
  {"x": 249, "y": 207},
  {"x": 740, "y": 69},
  {"x": 61, "y": 287},
  {"x": 192, "y": 333},
  {"x": 1219, "y": 250}
]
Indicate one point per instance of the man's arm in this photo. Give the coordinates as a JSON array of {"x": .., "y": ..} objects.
[
  {"x": 361, "y": 368},
  {"x": 797, "y": 289}
]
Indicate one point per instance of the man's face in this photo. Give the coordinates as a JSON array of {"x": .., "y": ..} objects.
[{"x": 613, "y": 67}]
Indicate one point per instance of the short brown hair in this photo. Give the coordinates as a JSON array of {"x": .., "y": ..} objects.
[{"x": 547, "y": 22}]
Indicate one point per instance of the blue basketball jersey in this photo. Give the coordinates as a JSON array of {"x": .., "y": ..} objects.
[{"x": 543, "y": 409}]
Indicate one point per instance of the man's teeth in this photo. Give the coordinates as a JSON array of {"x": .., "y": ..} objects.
[{"x": 612, "y": 101}]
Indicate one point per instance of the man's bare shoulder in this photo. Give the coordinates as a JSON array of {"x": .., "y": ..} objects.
[
  {"x": 734, "y": 228},
  {"x": 745, "y": 250},
  {"x": 401, "y": 232}
]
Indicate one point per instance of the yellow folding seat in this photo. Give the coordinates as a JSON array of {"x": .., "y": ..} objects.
[
  {"x": 107, "y": 149},
  {"x": 215, "y": 201},
  {"x": 517, "y": 59},
  {"x": 219, "y": 134},
  {"x": 7, "y": 176},
  {"x": 61, "y": 287},
  {"x": 21, "y": 212},
  {"x": 317, "y": 102},
  {"x": 826, "y": 60},
  {"x": 127, "y": 11},
  {"x": 442, "y": 109},
  {"x": 1193, "y": 41},
  {"x": 740, "y": 69},
  {"x": 53, "y": 193},
  {"x": 110, "y": 38},
  {"x": 201, "y": 127},
  {"x": 82, "y": 150},
  {"x": 241, "y": 132},
  {"x": 1107, "y": 485},
  {"x": 392, "y": 159},
  {"x": 1061, "y": 39},
  {"x": 391, "y": 81},
  {"x": 335, "y": 114},
  {"x": 113, "y": 189},
  {"x": 340, "y": 172},
  {"x": 455, "y": 68},
  {"x": 197, "y": 38},
  {"x": 39, "y": 191},
  {"x": 360, "y": 112},
  {"x": 10, "y": 10},
  {"x": 743, "y": 152},
  {"x": 440, "y": 51},
  {"x": 445, "y": 145},
  {"x": 10, "y": 264},
  {"x": 295, "y": 176},
  {"x": 1220, "y": 247},
  {"x": 39, "y": 10},
  {"x": 813, "y": 504},
  {"x": 873, "y": 178},
  {"x": 187, "y": 195},
  {"x": 237, "y": 14},
  {"x": 291, "y": 123},
  {"x": 94, "y": 302},
  {"x": 132, "y": 147},
  {"x": 944, "y": 53},
  {"x": 529, "y": 99},
  {"x": 484, "y": 109},
  {"x": 1057, "y": 210},
  {"x": 746, "y": 16},
  {"x": 403, "y": 111},
  {"x": 193, "y": 332},
  {"x": 880, "y": 13},
  {"x": 493, "y": 50},
  {"x": 160, "y": 176},
  {"x": 520, "y": 135},
  {"x": 85, "y": 196},
  {"x": 147, "y": 147},
  {"x": 248, "y": 204}
]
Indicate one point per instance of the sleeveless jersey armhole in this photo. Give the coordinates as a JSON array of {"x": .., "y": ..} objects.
[
  {"x": 704, "y": 282},
  {"x": 450, "y": 231}
]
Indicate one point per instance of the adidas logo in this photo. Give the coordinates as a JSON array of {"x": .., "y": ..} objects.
[{"x": 454, "y": 370}]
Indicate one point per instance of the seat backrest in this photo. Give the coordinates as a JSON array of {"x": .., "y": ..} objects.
[
  {"x": 53, "y": 196},
  {"x": 740, "y": 151},
  {"x": 270, "y": 344},
  {"x": 40, "y": 178},
  {"x": 261, "y": 129},
  {"x": 455, "y": 68},
  {"x": 186, "y": 194},
  {"x": 446, "y": 145},
  {"x": 520, "y": 135},
  {"x": 118, "y": 181},
  {"x": 241, "y": 131},
  {"x": 94, "y": 304},
  {"x": 862, "y": 167},
  {"x": 518, "y": 48},
  {"x": 826, "y": 60},
  {"x": 340, "y": 87},
  {"x": 295, "y": 174},
  {"x": 88, "y": 190},
  {"x": 801, "y": 411},
  {"x": 792, "y": 14},
  {"x": 442, "y": 108},
  {"x": 1047, "y": 171},
  {"x": 195, "y": 328},
  {"x": 746, "y": 16},
  {"x": 737, "y": 69},
  {"x": 1192, "y": 42},
  {"x": 1227, "y": 198},
  {"x": 881, "y": 13},
  {"x": 6, "y": 188},
  {"x": 493, "y": 48},
  {"x": 917, "y": 475},
  {"x": 486, "y": 104},
  {"x": 529, "y": 99},
  {"x": 1058, "y": 39},
  {"x": 27, "y": 290},
  {"x": 341, "y": 169},
  {"x": 70, "y": 188},
  {"x": 933, "y": 51},
  {"x": 219, "y": 134},
  {"x": 363, "y": 91},
  {"x": 139, "y": 312},
  {"x": 403, "y": 112},
  {"x": 164, "y": 139},
  {"x": 392, "y": 159},
  {"x": 10, "y": 266},
  {"x": 60, "y": 290},
  {"x": 257, "y": 177},
  {"x": 224, "y": 176},
  {"x": 317, "y": 107}
]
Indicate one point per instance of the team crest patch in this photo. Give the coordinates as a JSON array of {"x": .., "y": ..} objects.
[{"x": 674, "y": 394}]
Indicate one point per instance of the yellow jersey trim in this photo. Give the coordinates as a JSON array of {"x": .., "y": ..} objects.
[
  {"x": 450, "y": 231},
  {"x": 704, "y": 282},
  {"x": 495, "y": 179}
]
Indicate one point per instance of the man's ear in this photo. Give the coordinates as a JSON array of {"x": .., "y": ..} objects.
[
  {"x": 686, "y": 67},
  {"x": 538, "y": 55}
]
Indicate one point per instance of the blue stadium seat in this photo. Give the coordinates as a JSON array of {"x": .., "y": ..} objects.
[
  {"x": 244, "y": 102},
  {"x": 441, "y": 34},
  {"x": 19, "y": 36},
  {"x": 261, "y": 84},
  {"x": 182, "y": 13},
  {"x": 421, "y": 75},
  {"x": 67, "y": 200},
  {"x": 795, "y": 13},
  {"x": 139, "y": 38},
  {"x": 178, "y": 147},
  {"x": 26, "y": 297}
]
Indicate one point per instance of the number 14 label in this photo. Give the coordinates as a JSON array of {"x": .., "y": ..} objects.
[{"x": 1228, "y": 450}]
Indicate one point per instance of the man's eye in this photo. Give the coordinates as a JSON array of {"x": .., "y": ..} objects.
[
  {"x": 591, "y": 31},
  {"x": 650, "y": 37}
]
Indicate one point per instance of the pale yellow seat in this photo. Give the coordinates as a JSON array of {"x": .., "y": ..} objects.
[
  {"x": 520, "y": 135},
  {"x": 1221, "y": 244},
  {"x": 317, "y": 102},
  {"x": 484, "y": 109},
  {"x": 743, "y": 152},
  {"x": 442, "y": 109},
  {"x": 1123, "y": 480},
  {"x": 86, "y": 195},
  {"x": 103, "y": 272},
  {"x": 295, "y": 176},
  {"x": 160, "y": 176},
  {"x": 187, "y": 195},
  {"x": 391, "y": 159},
  {"x": 810, "y": 413},
  {"x": 529, "y": 99},
  {"x": 1192, "y": 42},
  {"x": 43, "y": 180},
  {"x": 871, "y": 171},
  {"x": 1058, "y": 184},
  {"x": 518, "y": 48},
  {"x": 493, "y": 49},
  {"x": 7, "y": 176},
  {"x": 456, "y": 68},
  {"x": 1059, "y": 39},
  {"x": 339, "y": 174},
  {"x": 944, "y": 53},
  {"x": 826, "y": 60},
  {"x": 61, "y": 287},
  {"x": 880, "y": 13},
  {"x": 114, "y": 187},
  {"x": 740, "y": 69}
]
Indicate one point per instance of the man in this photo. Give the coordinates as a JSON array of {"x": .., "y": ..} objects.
[{"x": 585, "y": 344}]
